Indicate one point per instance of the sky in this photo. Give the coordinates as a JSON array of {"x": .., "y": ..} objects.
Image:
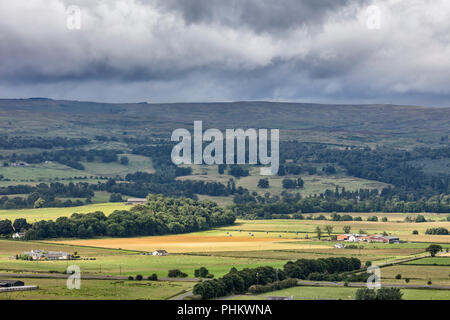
[{"x": 322, "y": 51}]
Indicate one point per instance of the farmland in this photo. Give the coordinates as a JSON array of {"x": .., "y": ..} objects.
[
  {"x": 56, "y": 289},
  {"x": 37, "y": 214},
  {"x": 342, "y": 293},
  {"x": 269, "y": 243},
  {"x": 140, "y": 132}
]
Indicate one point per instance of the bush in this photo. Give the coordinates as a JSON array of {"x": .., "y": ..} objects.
[
  {"x": 380, "y": 294},
  {"x": 368, "y": 264},
  {"x": 429, "y": 283},
  {"x": 398, "y": 277},
  {"x": 153, "y": 277},
  {"x": 130, "y": 278},
  {"x": 139, "y": 277},
  {"x": 437, "y": 231},
  {"x": 415, "y": 232},
  {"x": 202, "y": 272},
  {"x": 115, "y": 197},
  {"x": 176, "y": 273},
  {"x": 384, "y": 219},
  {"x": 273, "y": 286},
  {"x": 407, "y": 280}
]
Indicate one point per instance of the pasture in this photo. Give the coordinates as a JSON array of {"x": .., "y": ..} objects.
[
  {"x": 38, "y": 214},
  {"x": 56, "y": 289},
  {"x": 344, "y": 293}
]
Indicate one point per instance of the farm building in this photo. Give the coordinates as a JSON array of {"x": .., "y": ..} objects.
[
  {"x": 18, "y": 235},
  {"x": 366, "y": 238},
  {"x": 11, "y": 283},
  {"x": 383, "y": 239},
  {"x": 19, "y": 164},
  {"x": 160, "y": 253},
  {"x": 131, "y": 201},
  {"x": 343, "y": 237},
  {"x": 48, "y": 255}
]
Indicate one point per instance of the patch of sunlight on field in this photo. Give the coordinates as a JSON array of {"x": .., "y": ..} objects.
[
  {"x": 33, "y": 215},
  {"x": 194, "y": 243},
  {"x": 401, "y": 229}
]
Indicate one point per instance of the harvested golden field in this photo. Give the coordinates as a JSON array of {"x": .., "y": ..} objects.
[
  {"x": 195, "y": 243},
  {"x": 401, "y": 229}
]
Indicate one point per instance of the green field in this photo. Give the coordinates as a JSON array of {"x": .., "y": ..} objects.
[
  {"x": 344, "y": 293},
  {"x": 33, "y": 215},
  {"x": 440, "y": 261},
  {"x": 56, "y": 289}
]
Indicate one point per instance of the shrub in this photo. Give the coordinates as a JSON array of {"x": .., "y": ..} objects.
[
  {"x": 273, "y": 286},
  {"x": 407, "y": 280},
  {"x": 415, "y": 232},
  {"x": 368, "y": 263},
  {"x": 398, "y": 277},
  {"x": 139, "y": 277},
  {"x": 176, "y": 273},
  {"x": 153, "y": 277},
  {"x": 130, "y": 278},
  {"x": 380, "y": 294},
  {"x": 437, "y": 231},
  {"x": 384, "y": 219},
  {"x": 202, "y": 272},
  {"x": 429, "y": 283},
  {"x": 420, "y": 218}
]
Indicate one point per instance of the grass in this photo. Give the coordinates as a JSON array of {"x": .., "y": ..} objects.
[
  {"x": 56, "y": 289},
  {"x": 136, "y": 163},
  {"x": 440, "y": 261},
  {"x": 345, "y": 293},
  {"x": 33, "y": 215},
  {"x": 120, "y": 262},
  {"x": 314, "y": 184},
  {"x": 439, "y": 275}
]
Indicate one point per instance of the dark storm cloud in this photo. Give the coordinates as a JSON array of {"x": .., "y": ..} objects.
[
  {"x": 258, "y": 15},
  {"x": 210, "y": 50}
]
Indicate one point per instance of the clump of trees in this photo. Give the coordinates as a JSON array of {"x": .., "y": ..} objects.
[
  {"x": 380, "y": 294},
  {"x": 293, "y": 183},
  {"x": 160, "y": 215},
  {"x": 176, "y": 273},
  {"x": 238, "y": 282},
  {"x": 202, "y": 272},
  {"x": 277, "y": 285},
  {"x": 302, "y": 268},
  {"x": 437, "y": 231}
]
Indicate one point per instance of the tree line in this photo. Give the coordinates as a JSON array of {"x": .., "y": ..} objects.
[{"x": 160, "y": 215}]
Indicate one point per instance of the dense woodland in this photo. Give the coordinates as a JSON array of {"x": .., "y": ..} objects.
[{"x": 160, "y": 215}]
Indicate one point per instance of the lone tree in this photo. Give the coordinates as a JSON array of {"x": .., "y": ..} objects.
[
  {"x": 347, "y": 229},
  {"x": 329, "y": 230},
  {"x": 319, "y": 232},
  {"x": 433, "y": 249}
]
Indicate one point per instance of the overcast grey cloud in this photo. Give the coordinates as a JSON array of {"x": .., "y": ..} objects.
[{"x": 211, "y": 50}]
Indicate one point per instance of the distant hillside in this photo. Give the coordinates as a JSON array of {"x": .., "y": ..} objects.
[{"x": 346, "y": 124}]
